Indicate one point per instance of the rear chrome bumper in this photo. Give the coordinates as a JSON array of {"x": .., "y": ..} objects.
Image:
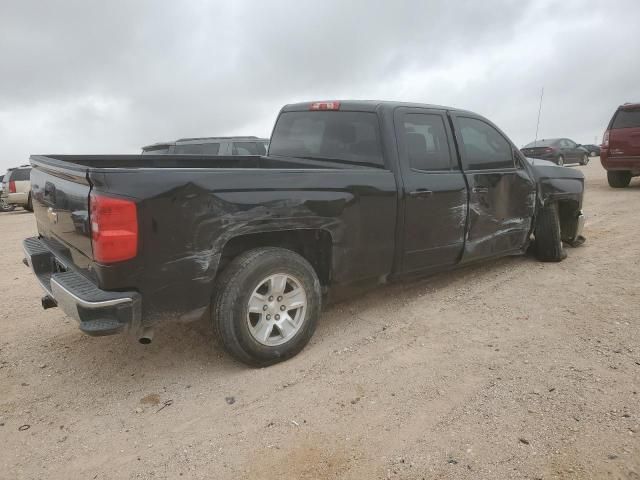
[{"x": 99, "y": 312}]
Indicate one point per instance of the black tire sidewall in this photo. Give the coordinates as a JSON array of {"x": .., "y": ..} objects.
[{"x": 275, "y": 261}]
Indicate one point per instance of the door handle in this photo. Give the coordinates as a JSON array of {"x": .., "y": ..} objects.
[
  {"x": 480, "y": 190},
  {"x": 421, "y": 193}
]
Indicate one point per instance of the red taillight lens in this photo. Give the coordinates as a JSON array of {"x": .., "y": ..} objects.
[
  {"x": 114, "y": 229},
  {"x": 605, "y": 139},
  {"x": 12, "y": 186},
  {"x": 325, "y": 106}
]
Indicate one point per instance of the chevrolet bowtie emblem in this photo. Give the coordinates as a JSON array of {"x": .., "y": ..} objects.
[{"x": 53, "y": 216}]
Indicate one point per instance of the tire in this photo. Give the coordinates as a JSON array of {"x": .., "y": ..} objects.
[
  {"x": 585, "y": 159},
  {"x": 618, "y": 179},
  {"x": 242, "y": 281},
  {"x": 5, "y": 207},
  {"x": 548, "y": 236},
  {"x": 29, "y": 204},
  {"x": 560, "y": 161}
]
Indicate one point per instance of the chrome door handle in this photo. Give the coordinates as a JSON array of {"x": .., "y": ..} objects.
[
  {"x": 480, "y": 190},
  {"x": 421, "y": 193}
]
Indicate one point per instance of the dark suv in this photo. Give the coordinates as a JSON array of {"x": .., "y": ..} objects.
[
  {"x": 620, "y": 151},
  {"x": 210, "y": 146},
  {"x": 557, "y": 150}
]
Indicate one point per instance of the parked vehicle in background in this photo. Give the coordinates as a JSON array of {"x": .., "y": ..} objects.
[
  {"x": 17, "y": 188},
  {"x": 4, "y": 207},
  {"x": 351, "y": 194},
  {"x": 592, "y": 150},
  {"x": 558, "y": 150},
  {"x": 620, "y": 152},
  {"x": 223, "y": 146}
]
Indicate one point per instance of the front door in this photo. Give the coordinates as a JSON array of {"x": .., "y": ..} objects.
[
  {"x": 435, "y": 193},
  {"x": 502, "y": 192}
]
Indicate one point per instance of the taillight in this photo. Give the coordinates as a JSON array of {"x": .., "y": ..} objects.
[
  {"x": 605, "y": 139},
  {"x": 325, "y": 106},
  {"x": 114, "y": 229},
  {"x": 12, "y": 186}
]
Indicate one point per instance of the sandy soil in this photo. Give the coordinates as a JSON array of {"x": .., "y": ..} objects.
[{"x": 513, "y": 369}]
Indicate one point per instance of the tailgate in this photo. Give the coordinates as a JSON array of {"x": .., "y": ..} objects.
[{"x": 60, "y": 197}]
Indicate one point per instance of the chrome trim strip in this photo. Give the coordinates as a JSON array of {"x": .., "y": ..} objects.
[{"x": 58, "y": 290}]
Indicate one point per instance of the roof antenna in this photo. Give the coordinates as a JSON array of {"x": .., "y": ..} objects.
[{"x": 538, "y": 124}]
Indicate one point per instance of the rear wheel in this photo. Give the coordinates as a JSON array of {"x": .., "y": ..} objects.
[
  {"x": 29, "y": 204},
  {"x": 548, "y": 235},
  {"x": 585, "y": 159},
  {"x": 618, "y": 179},
  {"x": 5, "y": 207},
  {"x": 266, "y": 305},
  {"x": 560, "y": 161}
]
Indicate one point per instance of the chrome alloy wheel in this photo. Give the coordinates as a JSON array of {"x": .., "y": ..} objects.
[{"x": 277, "y": 309}]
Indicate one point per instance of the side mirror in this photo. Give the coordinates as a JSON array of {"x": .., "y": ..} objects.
[{"x": 578, "y": 145}]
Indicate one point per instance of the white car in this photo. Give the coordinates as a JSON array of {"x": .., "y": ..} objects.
[{"x": 16, "y": 187}]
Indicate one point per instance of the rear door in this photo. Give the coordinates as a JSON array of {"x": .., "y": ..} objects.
[
  {"x": 435, "y": 193},
  {"x": 624, "y": 135},
  {"x": 502, "y": 192}
]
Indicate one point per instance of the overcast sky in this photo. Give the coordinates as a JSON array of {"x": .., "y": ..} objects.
[{"x": 110, "y": 76}]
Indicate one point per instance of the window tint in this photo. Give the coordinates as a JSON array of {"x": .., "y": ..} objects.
[
  {"x": 425, "y": 138},
  {"x": 349, "y": 136},
  {"x": 156, "y": 150},
  {"x": 198, "y": 149},
  {"x": 21, "y": 175},
  {"x": 484, "y": 146},
  {"x": 626, "y": 119},
  {"x": 249, "y": 148}
]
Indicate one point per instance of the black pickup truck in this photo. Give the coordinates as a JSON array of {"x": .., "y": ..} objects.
[{"x": 350, "y": 194}]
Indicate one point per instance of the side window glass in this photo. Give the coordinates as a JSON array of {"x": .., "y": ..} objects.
[
  {"x": 426, "y": 142},
  {"x": 484, "y": 146}
]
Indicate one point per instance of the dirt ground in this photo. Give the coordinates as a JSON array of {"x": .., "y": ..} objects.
[{"x": 512, "y": 369}]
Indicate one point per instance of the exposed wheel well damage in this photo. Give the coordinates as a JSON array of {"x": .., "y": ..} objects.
[
  {"x": 568, "y": 210},
  {"x": 314, "y": 245}
]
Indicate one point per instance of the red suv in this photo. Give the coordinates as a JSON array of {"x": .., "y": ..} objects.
[{"x": 620, "y": 151}]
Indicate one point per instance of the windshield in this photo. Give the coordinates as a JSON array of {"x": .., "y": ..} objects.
[
  {"x": 332, "y": 135},
  {"x": 540, "y": 143}
]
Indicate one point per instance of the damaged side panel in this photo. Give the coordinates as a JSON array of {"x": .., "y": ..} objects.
[
  {"x": 184, "y": 229},
  {"x": 501, "y": 210}
]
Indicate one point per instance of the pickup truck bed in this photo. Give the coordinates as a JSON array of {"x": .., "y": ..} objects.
[{"x": 339, "y": 203}]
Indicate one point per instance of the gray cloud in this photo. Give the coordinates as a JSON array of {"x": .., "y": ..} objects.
[{"x": 108, "y": 77}]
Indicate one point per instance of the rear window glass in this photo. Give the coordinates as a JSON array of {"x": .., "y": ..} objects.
[
  {"x": 426, "y": 141},
  {"x": 21, "y": 175},
  {"x": 156, "y": 150},
  {"x": 198, "y": 149},
  {"x": 348, "y": 136},
  {"x": 626, "y": 119},
  {"x": 541, "y": 143},
  {"x": 249, "y": 148}
]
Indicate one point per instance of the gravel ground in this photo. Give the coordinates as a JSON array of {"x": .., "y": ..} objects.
[{"x": 512, "y": 369}]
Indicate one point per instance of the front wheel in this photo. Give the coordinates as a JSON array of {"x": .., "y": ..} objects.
[
  {"x": 560, "y": 161},
  {"x": 548, "y": 236},
  {"x": 266, "y": 305},
  {"x": 618, "y": 179},
  {"x": 585, "y": 159}
]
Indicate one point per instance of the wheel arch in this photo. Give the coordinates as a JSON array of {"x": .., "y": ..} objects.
[{"x": 315, "y": 245}]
